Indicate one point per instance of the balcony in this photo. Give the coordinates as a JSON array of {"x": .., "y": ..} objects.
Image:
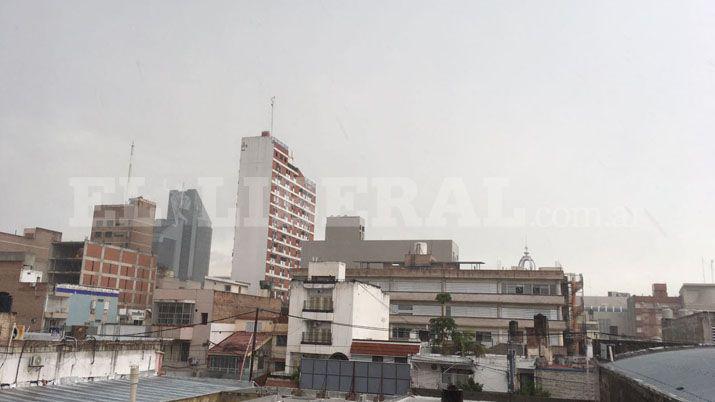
[
  {"x": 318, "y": 304},
  {"x": 318, "y": 337}
]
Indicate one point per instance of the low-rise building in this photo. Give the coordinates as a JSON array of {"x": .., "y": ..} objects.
[
  {"x": 646, "y": 312},
  {"x": 225, "y": 284},
  {"x": 195, "y": 319},
  {"x": 28, "y": 292},
  {"x": 230, "y": 358},
  {"x": 607, "y": 315},
  {"x": 483, "y": 300},
  {"x": 88, "y": 263},
  {"x": 697, "y": 297},
  {"x": 327, "y": 312},
  {"x": 35, "y": 241},
  {"x": 68, "y": 305}
]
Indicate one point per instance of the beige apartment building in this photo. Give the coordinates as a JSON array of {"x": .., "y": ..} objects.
[{"x": 483, "y": 300}]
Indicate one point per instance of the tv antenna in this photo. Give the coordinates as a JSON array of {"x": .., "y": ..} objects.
[
  {"x": 129, "y": 172},
  {"x": 273, "y": 103}
]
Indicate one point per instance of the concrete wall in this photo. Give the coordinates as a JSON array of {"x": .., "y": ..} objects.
[
  {"x": 70, "y": 363},
  {"x": 614, "y": 387},
  {"x": 698, "y": 296},
  {"x": 694, "y": 328}
]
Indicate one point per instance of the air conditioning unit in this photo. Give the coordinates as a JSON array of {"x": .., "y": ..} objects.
[{"x": 36, "y": 361}]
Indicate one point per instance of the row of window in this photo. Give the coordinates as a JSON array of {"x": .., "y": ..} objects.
[
  {"x": 469, "y": 287},
  {"x": 435, "y": 310}
]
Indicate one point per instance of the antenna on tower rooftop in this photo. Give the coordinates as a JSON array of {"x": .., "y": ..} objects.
[
  {"x": 273, "y": 102},
  {"x": 129, "y": 173}
]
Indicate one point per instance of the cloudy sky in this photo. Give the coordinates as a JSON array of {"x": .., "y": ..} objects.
[{"x": 602, "y": 110}]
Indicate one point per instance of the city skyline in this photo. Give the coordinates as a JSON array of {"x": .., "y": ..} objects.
[{"x": 612, "y": 116}]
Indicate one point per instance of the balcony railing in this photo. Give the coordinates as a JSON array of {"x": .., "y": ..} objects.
[
  {"x": 318, "y": 337},
  {"x": 321, "y": 304}
]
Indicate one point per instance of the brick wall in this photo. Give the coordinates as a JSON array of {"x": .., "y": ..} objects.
[
  {"x": 131, "y": 272},
  {"x": 569, "y": 383},
  {"x": 27, "y": 301},
  {"x": 228, "y": 304}
]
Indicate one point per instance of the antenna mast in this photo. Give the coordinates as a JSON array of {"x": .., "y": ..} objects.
[
  {"x": 129, "y": 173},
  {"x": 273, "y": 102}
]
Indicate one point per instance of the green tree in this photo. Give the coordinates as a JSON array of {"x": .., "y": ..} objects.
[
  {"x": 471, "y": 385},
  {"x": 533, "y": 389},
  {"x": 441, "y": 328},
  {"x": 443, "y": 299}
]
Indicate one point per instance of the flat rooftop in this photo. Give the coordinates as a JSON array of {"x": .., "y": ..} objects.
[
  {"x": 685, "y": 373},
  {"x": 151, "y": 389}
]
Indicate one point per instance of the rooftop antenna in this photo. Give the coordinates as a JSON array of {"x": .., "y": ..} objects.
[
  {"x": 712, "y": 271},
  {"x": 129, "y": 173},
  {"x": 273, "y": 102},
  {"x": 702, "y": 265}
]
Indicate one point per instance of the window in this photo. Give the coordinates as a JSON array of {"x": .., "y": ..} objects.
[
  {"x": 280, "y": 366},
  {"x": 107, "y": 234},
  {"x": 204, "y": 318},
  {"x": 97, "y": 234},
  {"x": 401, "y": 333},
  {"x": 483, "y": 337},
  {"x": 281, "y": 340},
  {"x": 401, "y": 359},
  {"x": 99, "y": 223},
  {"x": 228, "y": 364},
  {"x": 377, "y": 359},
  {"x": 170, "y": 313},
  {"x": 227, "y": 288}
]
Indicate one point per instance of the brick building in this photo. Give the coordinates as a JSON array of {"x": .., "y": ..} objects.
[
  {"x": 646, "y": 312},
  {"x": 37, "y": 241},
  {"x": 28, "y": 297},
  {"x": 88, "y": 263},
  {"x": 125, "y": 225}
]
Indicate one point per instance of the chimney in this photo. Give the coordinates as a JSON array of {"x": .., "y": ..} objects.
[
  {"x": 660, "y": 290},
  {"x": 265, "y": 134}
]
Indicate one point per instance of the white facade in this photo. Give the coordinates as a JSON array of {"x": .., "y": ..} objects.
[
  {"x": 275, "y": 214},
  {"x": 326, "y": 315},
  {"x": 70, "y": 364}
]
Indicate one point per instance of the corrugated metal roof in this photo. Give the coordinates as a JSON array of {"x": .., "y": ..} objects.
[
  {"x": 151, "y": 389},
  {"x": 685, "y": 373}
]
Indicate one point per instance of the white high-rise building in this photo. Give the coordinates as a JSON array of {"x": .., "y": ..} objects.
[{"x": 275, "y": 215}]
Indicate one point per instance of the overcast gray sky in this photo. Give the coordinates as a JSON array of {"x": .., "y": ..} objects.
[{"x": 605, "y": 106}]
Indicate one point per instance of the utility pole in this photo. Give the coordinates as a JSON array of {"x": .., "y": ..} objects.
[
  {"x": 253, "y": 345},
  {"x": 133, "y": 383},
  {"x": 511, "y": 354}
]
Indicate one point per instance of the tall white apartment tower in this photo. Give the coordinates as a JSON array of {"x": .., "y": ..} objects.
[{"x": 275, "y": 214}]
